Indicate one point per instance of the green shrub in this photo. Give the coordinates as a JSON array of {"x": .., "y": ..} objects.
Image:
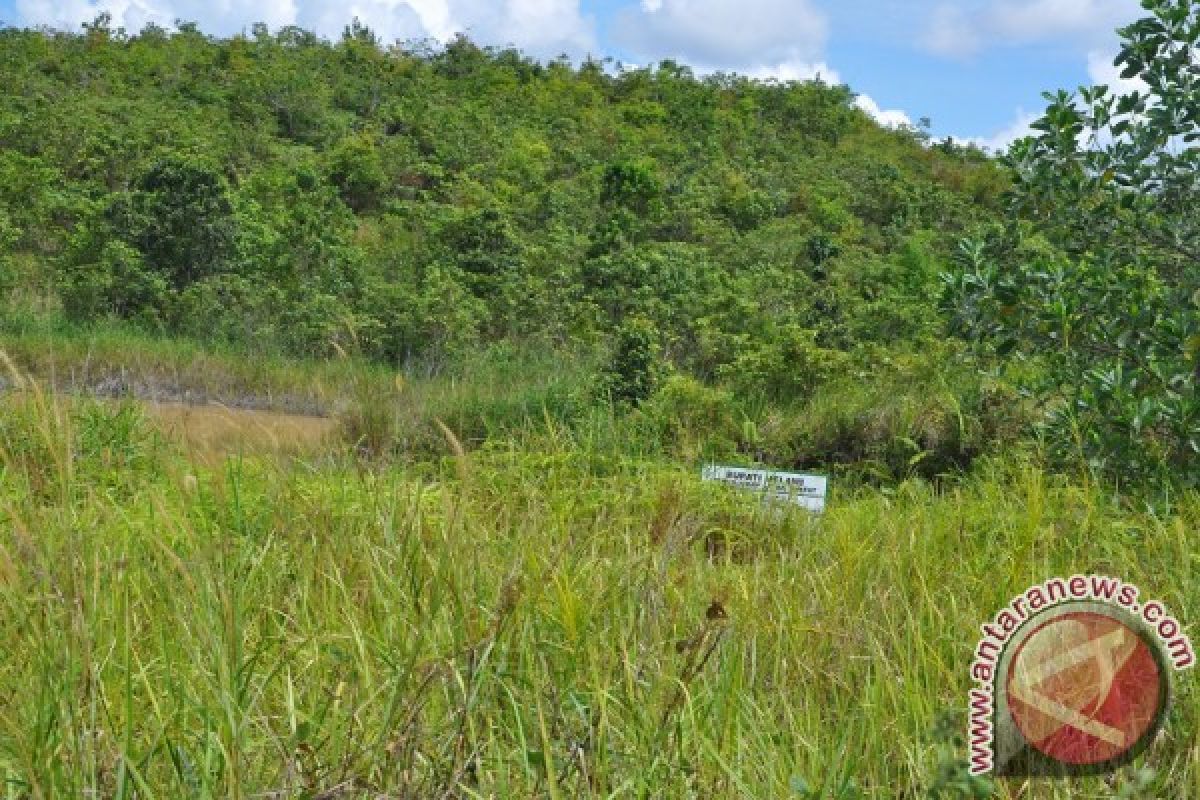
[
  {"x": 117, "y": 283},
  {"x": 821, "y": 248},
  {"x": 227, "y": 308},
  {"x": 632, "y": 184},
  {"x": 8, "y": 237},
  {"x": 180, "y": 218},
  {"x": 356, "y": 169},
  {"x": 744, "y": 206},
  {"x": 693, "y": 419},
  {"x": 899, "y": 421},
  {"x": 53, "y": 448},
  {"x": 788, "y": 367},
  {"x": 635, "y": 367}
]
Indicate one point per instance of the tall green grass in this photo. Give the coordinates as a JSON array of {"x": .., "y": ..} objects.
[
  {"x": 497, "y": 393},
  {"x": 913, "y": 416},
  {"x": 505, "y": 622},
  {"x": 118, "y": 360}
]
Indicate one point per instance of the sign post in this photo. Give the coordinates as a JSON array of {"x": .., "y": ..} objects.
[{"x": 806, "y": 491}]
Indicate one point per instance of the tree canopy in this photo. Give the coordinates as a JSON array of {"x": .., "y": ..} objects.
[
  {"x": 403, "y": 201},
  {"x": 1096, "y": 280}
]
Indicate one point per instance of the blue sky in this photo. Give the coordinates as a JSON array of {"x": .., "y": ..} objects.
[{"x": 976, "y": 68}]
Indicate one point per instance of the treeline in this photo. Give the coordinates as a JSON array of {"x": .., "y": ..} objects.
[{"x": 409, "y": 202}]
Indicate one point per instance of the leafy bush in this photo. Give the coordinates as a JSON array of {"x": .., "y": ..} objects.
[
  {"x": 635, "y": 368},
  {"x": 821, "y": 248},
  {"x": 356, "y": 169},
  {"x": 1113, "y": 320},
  {"x": 744, "y": 206},
  {"x": 51, "y": 449},
  {"x": 788, "y": 367},
  {"x": 117, "y": 283},
  {"x": 911, "y": 418},
  {"x": 8, "y": 237},
  {"x": 180, "y": 219},
  {"x": 694, "y": 420},
  {"x": 229, "y": 309},
  {"x": 632, "y": 184}
]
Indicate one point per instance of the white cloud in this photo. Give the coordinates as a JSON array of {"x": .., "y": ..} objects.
[
  {"x": 133, "y": 15},
  {"x": 889, "y": 118},
  {"x": 1034, "y": 20},
  {"x": 957, "y": 33},
  {"x": 547, "y": 26},
  {"x": 960, "y": 32},
  {"x": 390, "y": 21},
  {"x": 542, "y": 27},
  {"x": 791, "y": 70},
  {"x": 741, "y": 36},
  {"x": 951, "y": 33},
  {"x": 999, "y": 142},
  {"x": 1102, "y": 71}
]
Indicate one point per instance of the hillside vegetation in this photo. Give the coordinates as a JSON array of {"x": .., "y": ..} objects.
[
  {"x": 404, "y": 206},
  {"x": 531, "y": 300},
  {"x": 318, "y": 197}
]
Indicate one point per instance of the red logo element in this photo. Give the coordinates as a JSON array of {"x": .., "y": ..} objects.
[{"x": 1084, "y": 688}]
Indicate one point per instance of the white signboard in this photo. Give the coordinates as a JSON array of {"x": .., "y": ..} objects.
[{"x": 806, "y": 491}]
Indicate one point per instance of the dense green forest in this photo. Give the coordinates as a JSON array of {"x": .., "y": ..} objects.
[
  {"x": 401, "y": 202},
  {"x": 408, "y": 204},
  {"x": 706, "y": 241}
]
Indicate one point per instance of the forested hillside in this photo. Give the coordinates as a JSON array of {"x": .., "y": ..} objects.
[
  {"x": 401, "y": 202},
  {"x": 843, "y": 293},
  {"x": 409, "y": 204}
]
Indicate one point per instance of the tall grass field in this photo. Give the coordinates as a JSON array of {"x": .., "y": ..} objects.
[{"x": 551, "y": 616}]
